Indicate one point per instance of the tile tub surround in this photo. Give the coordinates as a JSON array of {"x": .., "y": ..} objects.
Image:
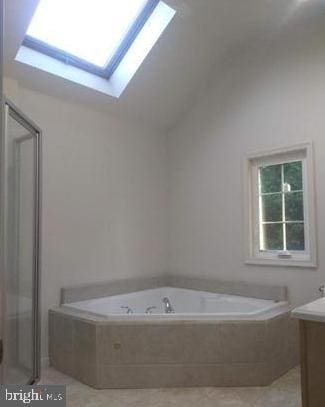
[
  {"x": 103, "y": 289},
  {"x": 106, "y": 354},
  {"x": 107, "y": 288},
  {"x": 241, "y": 288}
]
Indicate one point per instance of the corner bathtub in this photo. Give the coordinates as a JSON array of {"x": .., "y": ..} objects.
[
  {"x": 187, "y": 305},
  {"x": 211, "y": 340}
]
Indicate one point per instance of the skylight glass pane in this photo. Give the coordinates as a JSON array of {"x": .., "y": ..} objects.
[{"x": 91, "y": 30}]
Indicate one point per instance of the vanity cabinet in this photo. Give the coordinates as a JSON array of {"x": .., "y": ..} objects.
[{"x": 312, "y": 348}]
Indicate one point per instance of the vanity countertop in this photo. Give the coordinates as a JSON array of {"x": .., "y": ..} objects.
[{"x": 313, "y": 311}]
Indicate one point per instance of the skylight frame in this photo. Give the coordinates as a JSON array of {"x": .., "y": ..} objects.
[{"x": 106, "y": 73}]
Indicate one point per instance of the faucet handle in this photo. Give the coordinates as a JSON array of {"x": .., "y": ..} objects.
[
  {"x": 127, "y": 308},
  {"x": 322, "y": 290},
  {"x": 150, "y": 309}
]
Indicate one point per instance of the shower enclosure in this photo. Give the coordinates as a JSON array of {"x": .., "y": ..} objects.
[{"x": 20, "y": 230}]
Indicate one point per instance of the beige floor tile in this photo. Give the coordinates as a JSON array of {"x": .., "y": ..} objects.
[
  {"x": 283, "y": 392},
  {"x": 279, "y": 398}
]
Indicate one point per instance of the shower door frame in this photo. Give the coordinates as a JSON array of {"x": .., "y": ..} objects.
[
  {"x": 1, "y": 200},
  {"x": 11, "y": 110}
]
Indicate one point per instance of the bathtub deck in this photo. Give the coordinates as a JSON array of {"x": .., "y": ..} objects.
[
  {"x": 110, "y": 353},
  {"x": 172, "y": 354}
]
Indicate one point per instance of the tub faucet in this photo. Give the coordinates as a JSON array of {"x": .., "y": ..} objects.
[
  {"x": 168, "y": 306},
  {"x": 128, "y": 309},
  {"x": 150, "y": 309},
  {"x": 322, "y": 290}
]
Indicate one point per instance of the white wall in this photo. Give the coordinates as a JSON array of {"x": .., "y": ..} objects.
[
  {"x": 104, "y": 196},
  {"x": 269, "y": 95},
  {"x": 104, "y": 179}
]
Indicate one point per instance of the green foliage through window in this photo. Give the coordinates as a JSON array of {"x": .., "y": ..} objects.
[{"x": 282, "y": 207}]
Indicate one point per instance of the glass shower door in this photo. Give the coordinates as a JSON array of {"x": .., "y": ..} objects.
[
  {"x": 1, "y": 142},
  {"x": 21, "y": 247}
]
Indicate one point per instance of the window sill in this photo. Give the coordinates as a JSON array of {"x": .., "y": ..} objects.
[{"x": 281, "y": 262}]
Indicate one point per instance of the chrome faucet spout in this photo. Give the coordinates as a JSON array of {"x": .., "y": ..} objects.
[
  {"x": 322, "y": 290},
  {"x": 128, "y": 309},
  {"x": 149, "y": 310},
  {"x": 168, "y": 306}
]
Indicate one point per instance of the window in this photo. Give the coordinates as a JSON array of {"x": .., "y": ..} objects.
[
  {"x": 281, "y": 207},
  {"x": 93, "y": 35},
  {"x": 281, "y": 214},
  {"x": 98, "y": 44}
]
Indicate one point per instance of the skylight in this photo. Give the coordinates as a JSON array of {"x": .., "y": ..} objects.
[
  {"x": 91, "y": 34},
  {"x": 99, "y": 44}
]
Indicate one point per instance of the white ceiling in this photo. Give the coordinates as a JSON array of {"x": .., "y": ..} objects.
[{"x": 185, "y": 57}]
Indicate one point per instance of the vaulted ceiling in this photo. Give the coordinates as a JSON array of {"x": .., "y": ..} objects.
[{"x": 185, "y": 57}]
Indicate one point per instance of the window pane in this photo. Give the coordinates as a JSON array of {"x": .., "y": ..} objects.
[
  {"x": 295, "y": 236},
  {"x": 294, "y": 206},
  {"x": 271, "y": 178},
  {"x": 90, "y": 29},
  {"x": 272, "y": 208},
  {"x": 273, "y": 236},
  {"x": 293, "y": 175}
]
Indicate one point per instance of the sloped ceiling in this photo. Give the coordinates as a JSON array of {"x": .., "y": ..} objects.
[{"x": 185, "y": 57}]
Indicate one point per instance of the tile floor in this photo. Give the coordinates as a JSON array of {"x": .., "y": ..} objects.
[{"x": 285, "y": 392}]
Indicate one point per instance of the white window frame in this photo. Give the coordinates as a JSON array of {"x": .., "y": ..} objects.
[{"x": 308, "y": 257}]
